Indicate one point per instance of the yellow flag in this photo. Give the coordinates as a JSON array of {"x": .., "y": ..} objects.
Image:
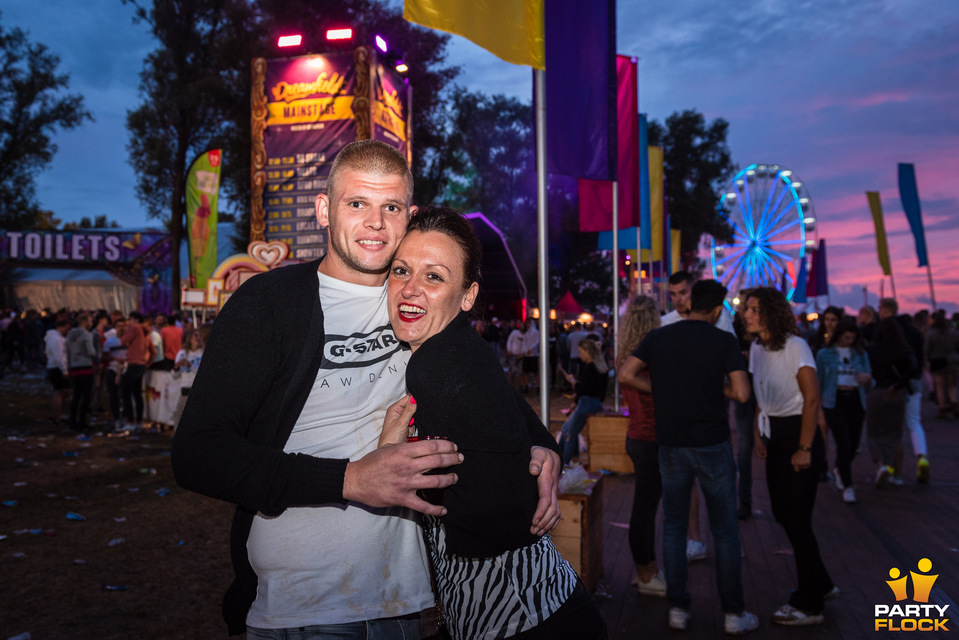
[
  {"x": 875, "y": 205},
  {"x": 655, "y": 203},
  {"x": 509, "y": 29}
]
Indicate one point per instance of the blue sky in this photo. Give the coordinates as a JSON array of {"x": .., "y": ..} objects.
[{"x": 839, "y": 91}]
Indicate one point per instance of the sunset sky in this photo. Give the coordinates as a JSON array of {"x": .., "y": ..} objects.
[{"x": 839, "y": 92}]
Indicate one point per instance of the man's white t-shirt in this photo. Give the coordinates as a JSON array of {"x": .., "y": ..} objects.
[
  {"x": 774, "y": 378},
  {"x": 332, "y": 564},
  {"x": 531, "y": 342},
  {"x": 724, "y": 322}
]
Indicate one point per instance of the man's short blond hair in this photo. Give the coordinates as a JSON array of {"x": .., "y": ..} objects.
[{"x": 373, "y": 157}]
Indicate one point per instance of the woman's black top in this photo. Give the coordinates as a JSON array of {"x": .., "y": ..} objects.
[
  {"x": 462, "y": 393},
  {"x": 591, "y": 382}
]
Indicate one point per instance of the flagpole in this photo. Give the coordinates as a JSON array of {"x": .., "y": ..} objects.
[
  {"x": 615, "y": 288},
  {"x": 892, "y": 282},
  {"x": 539, "y": 89},
  {"x": 932, "y": 292}
]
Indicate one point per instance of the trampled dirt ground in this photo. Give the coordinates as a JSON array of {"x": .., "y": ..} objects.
[{"x": 141, "y": 558}]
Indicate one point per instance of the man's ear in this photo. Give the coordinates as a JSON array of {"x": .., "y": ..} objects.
[
  {"x": 714, "y": 315},
  {"x": 322, "y": 210}
]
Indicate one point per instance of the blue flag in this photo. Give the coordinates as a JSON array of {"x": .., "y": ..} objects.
[
  {"x": 799, "y": 295},
  {"x": 909, "y": 194},
  {"x": 645, "y": 220}
]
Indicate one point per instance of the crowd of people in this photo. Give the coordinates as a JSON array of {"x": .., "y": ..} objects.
[
  {"x": 790, "y": 387},
  {"x": 104, "y": 367},
  {"x": 336, "y": 398}
]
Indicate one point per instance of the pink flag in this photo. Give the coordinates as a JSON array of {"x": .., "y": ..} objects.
[{"x": 596, "y": 196}]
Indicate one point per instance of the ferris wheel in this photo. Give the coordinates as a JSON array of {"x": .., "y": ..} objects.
[{"x": 772, "y": 224}]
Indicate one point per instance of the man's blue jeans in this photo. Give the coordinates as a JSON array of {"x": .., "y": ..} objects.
[
  {"x": 745, "y": 417},
  {"x": 716, "y": 470}
]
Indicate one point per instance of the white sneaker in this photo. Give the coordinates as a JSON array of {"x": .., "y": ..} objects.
[
  {"x": 882, "y": 476},
  {"x": 896, "y": 481},
  {"x": 695, "y": 550},
  {"x": 678, "y": 618},
  {"x": 790, "y": 616},
  {"x": 837, "y": 478},
  {"x": 655, "y": 587},
  {"x": 832, "y": 594},
  {"x": 739, "y": 624},
  {"x": 849, "y": 495}
]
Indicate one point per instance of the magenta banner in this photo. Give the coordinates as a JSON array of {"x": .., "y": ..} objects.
[
  {"x": 390, "y": 108},
  {"x": 596, "y": 196}
]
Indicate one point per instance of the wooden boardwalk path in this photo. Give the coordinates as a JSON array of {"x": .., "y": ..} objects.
[{"x": 860, "y": 543}]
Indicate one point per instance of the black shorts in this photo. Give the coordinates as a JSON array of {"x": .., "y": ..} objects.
[
  {"x": 59, "y": 381},
  {"x": 530, "y": 364}
]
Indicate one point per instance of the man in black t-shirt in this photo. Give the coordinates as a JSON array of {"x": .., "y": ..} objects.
[{"x": 688, "y": 364}]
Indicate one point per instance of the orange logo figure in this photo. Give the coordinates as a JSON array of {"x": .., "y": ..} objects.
[
  {"x": 922, "y": 584},
  {"x": 897, "y": 584}
]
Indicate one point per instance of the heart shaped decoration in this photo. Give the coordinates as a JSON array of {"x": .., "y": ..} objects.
[{"x": 268, "y": 253}]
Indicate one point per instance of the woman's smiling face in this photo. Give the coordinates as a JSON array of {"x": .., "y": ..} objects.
[{"x": 425, "y": 286}]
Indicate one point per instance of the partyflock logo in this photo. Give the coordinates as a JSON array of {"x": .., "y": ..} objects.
[{"x": 920, "y": 616}]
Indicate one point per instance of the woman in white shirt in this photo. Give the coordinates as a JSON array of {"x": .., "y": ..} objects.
[
  {"x": 789, "y": 440},
  {"x": 185, "y": 364}
]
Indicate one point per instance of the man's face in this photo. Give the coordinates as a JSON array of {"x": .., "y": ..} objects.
[
  {"x": 679, "y": 295},
  {"x": 367, "y": 216}
]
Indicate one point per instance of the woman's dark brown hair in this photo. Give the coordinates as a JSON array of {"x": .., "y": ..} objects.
[
  {"x": 775, "y": 314},
  {"x": 452, "y": 224},
  {"x": 847, "y": 325}
]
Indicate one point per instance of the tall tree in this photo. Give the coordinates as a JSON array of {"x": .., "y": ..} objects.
[
  {"x": 32, "y": 108},
  {"x": 97, "y": 222},
  {"x": 188, "y": 85},
  {"x": 487, "y": 164},
  {"x": 697, "y": 164},
  {"x": 494, "y": 137}
]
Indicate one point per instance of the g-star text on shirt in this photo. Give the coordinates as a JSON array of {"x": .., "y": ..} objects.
[{"x": 359, "y": 349}]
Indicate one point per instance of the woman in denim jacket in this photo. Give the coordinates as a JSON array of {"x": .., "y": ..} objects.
[{"x": 844, "y": 375}]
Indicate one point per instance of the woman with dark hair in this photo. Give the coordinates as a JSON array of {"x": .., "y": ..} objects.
[
  {"x": 827, "y": 325},
  {"x": 640, "y": 318},
  {"x": 844, "y": 375},
  {"x": 942, "y": 344},
  {"x": 495, "y": 578},
  {"x": 787, "y": 395},
  {"x": 893, "y": 365}
]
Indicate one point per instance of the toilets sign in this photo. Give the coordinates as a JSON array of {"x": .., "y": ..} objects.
[
  {"x": 143, "y": 259},
  {"x": 86, "y": 247}
]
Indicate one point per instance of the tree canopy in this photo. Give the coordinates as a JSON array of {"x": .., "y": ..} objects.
[
  {"x": 190, "y": 85},
  {"x": 697, "y": 164},
  {"x": 33, "y": 106}
]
